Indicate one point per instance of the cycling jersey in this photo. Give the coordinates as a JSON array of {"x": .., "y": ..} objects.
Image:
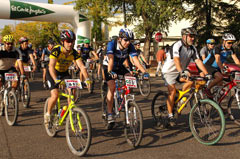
[
  {"x": 25, "y": 54},
  {"x": 7, "y": 59},
  {"x": 185, "y": 54},
  {"x": 85, "y": 53},
  {"x": 205, "y": 51},
  {"x": 119, "y": 55},
  {"x": 139, "y": 52},
  {"x": 46, "y": 53},
  {"x": 63, "y": 61},
  {"x": 224, "y": 55}
]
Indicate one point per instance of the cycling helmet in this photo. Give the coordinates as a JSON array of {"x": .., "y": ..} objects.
[
  {"x": 86, "y": 41},
  {"x": 67, "y": 35},
  {"x": 23, "y": 39},
  {"x": 229, "y": 36},
  {"x": 136, "y": 42},
  {"x": 189, "y": 30},
  {"x": 51, "y": 42},
  {"x": 126, "y": 33},
  {"x": 210, "y": 41},
  {"x": 8, "y": 39}
]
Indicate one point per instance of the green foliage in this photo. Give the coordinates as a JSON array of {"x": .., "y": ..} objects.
[{"x": 6, "y": 30}]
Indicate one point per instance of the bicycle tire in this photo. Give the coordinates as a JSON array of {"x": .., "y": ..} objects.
[
  {"x": 134, "y": 129},
  {"x": 104, "y": 111},
  {"x": 104, "y": 89},
  {"x": 204, "y": 109},
  {"x": 159, "y": 109},
  {"x": 144, "y": 87},
  {"x": 11, "y": 109},
  {"x": 80, "y": 135},
  {"x": 25, "y": 96},
  {"x": 1, "y": 105},
  {"x": 78, "y": 95},
  {"x": 233, "y": 110},
  {"x": 51, "y": 131}
]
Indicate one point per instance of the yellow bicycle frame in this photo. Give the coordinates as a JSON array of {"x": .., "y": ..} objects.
[
  {"x": 69, "y": 110},
  {"x": 181, "y": 94}
]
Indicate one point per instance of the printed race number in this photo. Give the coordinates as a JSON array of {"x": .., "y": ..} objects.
[
  {"x": 237, "y": 77},
  {"x": 27, "y": 68},
  {"x": 131, "y": 81},
  {"x": 11, "y": 77},
  {"x": 73, "y": 83}
]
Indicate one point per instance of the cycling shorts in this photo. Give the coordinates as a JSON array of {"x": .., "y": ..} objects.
[{"x": 60, "y": 75}]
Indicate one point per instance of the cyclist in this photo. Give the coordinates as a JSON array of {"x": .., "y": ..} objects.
[
  {"x": 141, "y": 57},
  {"x": 45, "y": 60},
  {"x": 117, "y": 53},
  {"x": 101, "y": 53},
  {"x": 27, "y": 53},
  {"x": 174, "y": 67},
  {"x": 215, "y": 61},
  {"x": 86, "y": 52},
  {"x": 61, "y": 58},
  {"x": 207, "y": 49}
]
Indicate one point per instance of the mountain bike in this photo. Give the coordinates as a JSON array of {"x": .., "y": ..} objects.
[
  {"x": 124, "y": 102},
  {"x": 206, "y": 119},
  {"x": 78, "y": 126},
  {"x": 92, "y": 73},
  {"x": 9, "y": 102},
  {"x": 73, "y": 73}
]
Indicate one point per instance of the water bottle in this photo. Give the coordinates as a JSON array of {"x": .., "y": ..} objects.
[
  {"x": 182, "y": 101},
  {"x": 63, "y": 111}
]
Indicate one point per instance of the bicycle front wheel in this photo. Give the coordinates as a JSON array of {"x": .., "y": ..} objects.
[
  {"x": 78, "y": 132},
  {"x": 133, "y": 124},
  {"x": 25, "y": 94},
  {"x": 144, "y": 87},
  {"x": 234, "y": 109},
  {"x": 207, "y": 122},
  {"x": 159, "y": 109},
  {"x": 11, "y": 109}
]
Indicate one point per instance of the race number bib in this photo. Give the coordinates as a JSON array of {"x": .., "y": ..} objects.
[
  {"x": 11, "y": 77},
  {"x": 131, "y": 81},
  {"x": 237, "y": 77},
  {"x": 27, "y": 68},
  {"x": 73, "y": 83}
]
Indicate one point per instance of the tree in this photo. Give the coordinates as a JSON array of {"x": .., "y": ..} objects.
[
  {"x": 212, "y": 18},
  {"x": 6, "y": 30},
  {"x": 153, "y": 15}
]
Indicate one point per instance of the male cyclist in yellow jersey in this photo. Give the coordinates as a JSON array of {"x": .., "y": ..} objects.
[{"x": 61, "y": 58}]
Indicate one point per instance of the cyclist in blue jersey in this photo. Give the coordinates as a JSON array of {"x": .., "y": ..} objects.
[
  {"x": 118, "y": 51},
  {"x": 215, "y": 61}
]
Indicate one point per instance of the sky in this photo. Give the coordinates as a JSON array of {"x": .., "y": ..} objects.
[{"x": 7, "y": 22}]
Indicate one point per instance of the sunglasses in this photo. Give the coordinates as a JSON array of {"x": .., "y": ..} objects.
[
  {"x": 9, "y": 43},
  {"x": 229, "y": 42},
  {"x": 69, "y": 41},
  {"x": 126, "y": 39},
  {"x": 211, "y": 44}
]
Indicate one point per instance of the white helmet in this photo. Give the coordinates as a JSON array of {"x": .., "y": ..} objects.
[{"x": 229, "y": 36}]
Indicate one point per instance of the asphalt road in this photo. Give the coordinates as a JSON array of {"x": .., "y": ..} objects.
[{"x": 28, "y": 138}]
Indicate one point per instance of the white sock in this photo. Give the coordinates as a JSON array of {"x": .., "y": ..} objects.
[{"x": 170, "y": 115}]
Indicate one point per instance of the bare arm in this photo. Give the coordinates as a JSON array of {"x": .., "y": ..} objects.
[
  {"x": 20, "y": 66},
  {"x": 201, "y": 66},
  {"x": 82, "y": 68},
  {"x": 137, "y": 63},
  {"x": 52, "y": 70},
  {"x": 33, "y": 61},
  {"x": 236, "y": 60},
  {"x": 178, "y": 64},
  {"x": 218, "y": 61},
  {"x": 110, "y": 62},
  {"x": 95, "y": 55},
  {"x": 144, "y": 59}
]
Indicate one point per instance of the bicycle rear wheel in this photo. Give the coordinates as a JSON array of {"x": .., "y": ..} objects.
[
  {"x": 144, "y": 87},
  {"x": 207, "y": 122},
  {"x": 52, "y": 128},
  {"x": 134, "y": 124},
  {"x": 11, "y": 109},
  {"x": 79, "y": 136},
  {"x": 159, "y": 109},
  {"x": 25, "y": 94}
]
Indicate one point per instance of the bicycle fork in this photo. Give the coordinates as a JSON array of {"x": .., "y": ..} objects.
[
  {"x": 126, "y": 108},
  {"x": 237, "y": 97}
]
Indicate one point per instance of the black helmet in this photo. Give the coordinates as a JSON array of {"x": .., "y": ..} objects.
[
  {"x": 136, "y": 42},
  {"x": 50, "y": 41},
  {"x": 23, "y": 39},
  {"x": 189, "y": 30},
  {"x": 67, "y": 35}
]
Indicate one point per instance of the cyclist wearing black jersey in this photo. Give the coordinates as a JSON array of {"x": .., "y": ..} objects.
[
  {"x": 117, "y": 53},
  {"x": 86, "y": 53},
  {"x": 45, "y": 60},
  {"x": 216, "y": 60}
]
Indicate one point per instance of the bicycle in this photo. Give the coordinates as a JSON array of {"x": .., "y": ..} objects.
[
  {"x": 206, "y": 119},
  {"x": 9, "y": 102},
  {"x": 124, "y": 102},
  {"x": 23, "y": 91},
  {"x": 78, "y": 124},
  {"x": 144, "y": 85},
  {"x": 91, "y": 70},
  {"x": 73, "y": 73}
]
